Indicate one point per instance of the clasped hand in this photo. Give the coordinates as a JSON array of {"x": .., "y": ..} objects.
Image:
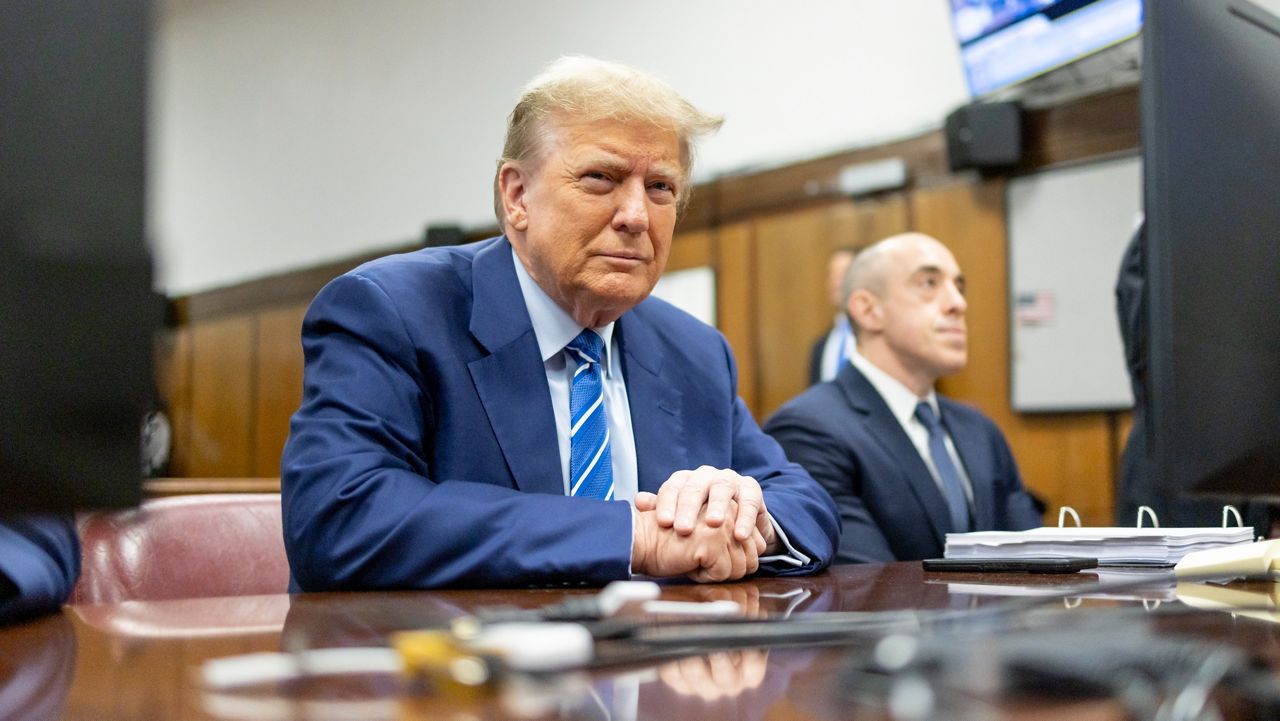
[{"x": 709, "y": 524}]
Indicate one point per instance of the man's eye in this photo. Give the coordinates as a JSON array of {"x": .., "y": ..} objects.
[
  {"x": 662, "y": 192},
  {"x": 596, "y": 181}
]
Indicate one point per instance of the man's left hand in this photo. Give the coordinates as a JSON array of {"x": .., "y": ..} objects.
[{"x": 681, "y": 499}]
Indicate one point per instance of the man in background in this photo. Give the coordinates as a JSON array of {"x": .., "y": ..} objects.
[
  {"x": 832, "y": 351},
  {"x": 905, "y": 465},
  {"x": 519, "y": 411},
  {"x": 1136, "y": 485}
]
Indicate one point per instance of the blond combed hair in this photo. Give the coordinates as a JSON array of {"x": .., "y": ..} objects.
[{"x": 577, "y": 89}]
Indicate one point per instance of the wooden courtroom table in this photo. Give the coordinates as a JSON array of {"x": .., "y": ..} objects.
[{"x": 138, "y": 660}]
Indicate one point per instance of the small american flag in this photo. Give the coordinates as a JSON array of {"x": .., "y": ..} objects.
[{"x": 1035, "y": 308}]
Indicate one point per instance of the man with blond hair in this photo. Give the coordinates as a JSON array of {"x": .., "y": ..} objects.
[
  {"x": 519, "y": 411},
  {"x": 905, "y": 465}
]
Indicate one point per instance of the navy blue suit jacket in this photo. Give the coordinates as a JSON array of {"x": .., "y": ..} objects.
[
  {"x": 890, "y": 507},
  {"x": 40, "y": 560},
  {"x": 424, "y": 453}
]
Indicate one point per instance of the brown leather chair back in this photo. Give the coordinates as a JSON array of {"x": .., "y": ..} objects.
[{"x": 198, "y": 546}]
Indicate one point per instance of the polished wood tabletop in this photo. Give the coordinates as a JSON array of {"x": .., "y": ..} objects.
[{"x": 959, "y": 646}]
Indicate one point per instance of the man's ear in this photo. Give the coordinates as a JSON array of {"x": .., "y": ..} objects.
[
  {"x": 865, "y": 310},
  {"x": 513, "y": 187}
]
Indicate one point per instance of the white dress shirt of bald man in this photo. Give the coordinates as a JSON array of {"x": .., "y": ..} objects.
[{"x": 900, "y": 479}]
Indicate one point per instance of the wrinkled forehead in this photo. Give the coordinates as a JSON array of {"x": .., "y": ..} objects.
[
  {"x": 623, "y": 137},
  {"x": 920, "y": 253}
]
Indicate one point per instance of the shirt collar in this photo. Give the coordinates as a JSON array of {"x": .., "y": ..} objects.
[
  {"x": 901, "y": 401},
  {"x": 552, "y": 327}
]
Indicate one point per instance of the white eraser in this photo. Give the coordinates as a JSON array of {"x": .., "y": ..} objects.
[
  {"x": 619, "y": 593},
  {"x": 536, "y": 646}
]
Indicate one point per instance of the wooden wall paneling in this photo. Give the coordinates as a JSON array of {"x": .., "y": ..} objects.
[
  {"x": 816, "y": 182},
  {"x": 868, "y": 220},
  {"x": 1065, "y": 458},
  {"x": 1121, "y": 426},
  {"x": 222, "y": 397},
  {"x": 736, "y": 306},
  {"x": 791, "y": 305},
  {"x": 793, "y": 309},
  {"x": 278, "y": 384},
  {"x": 1089, "y": 128},
  {"x": 692, "y": 250},
  {"x": 173, "y": 384},
  {"x": 969, "y": 219},
  {"x": 157, "y": 487}
]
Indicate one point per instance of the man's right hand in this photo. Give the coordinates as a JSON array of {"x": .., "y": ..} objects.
[{"x": 708, "y": 554}]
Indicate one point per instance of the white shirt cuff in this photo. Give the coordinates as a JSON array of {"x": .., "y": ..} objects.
[{"x": 793, "y": 556}]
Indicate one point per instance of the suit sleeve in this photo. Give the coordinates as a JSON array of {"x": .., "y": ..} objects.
[
  {"x": 1016, "y": 510},
  {"x": 361, "y": 509},
  {"x": 799, "y": 506},
  {"x": 39, "y": 563},
  {"x": 827, "y": 459}
]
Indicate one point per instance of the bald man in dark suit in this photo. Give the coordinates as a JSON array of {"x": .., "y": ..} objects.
[{"x": 905, "y": 465}]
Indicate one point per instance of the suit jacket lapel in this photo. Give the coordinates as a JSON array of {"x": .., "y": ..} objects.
[
  {"x": 884, "y": 427},
  {"x": 971, "y": 445},
  {"x": 657, "y": 408},
  {"x": 511, "y": 381}
]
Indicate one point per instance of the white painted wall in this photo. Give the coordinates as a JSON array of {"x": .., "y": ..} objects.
[{"x": 288, "y": 133}]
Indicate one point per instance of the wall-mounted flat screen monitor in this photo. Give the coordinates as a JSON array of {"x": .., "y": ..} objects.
[{"x": 1003, "y": 42}]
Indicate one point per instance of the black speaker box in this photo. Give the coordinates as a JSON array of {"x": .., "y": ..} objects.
[{"x": 985, "y": 136}]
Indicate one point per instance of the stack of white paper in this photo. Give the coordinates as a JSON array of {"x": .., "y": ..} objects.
[{"x": 1111, "y": 546}]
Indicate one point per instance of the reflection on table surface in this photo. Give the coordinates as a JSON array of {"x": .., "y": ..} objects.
[{"x": 959, "y": 646}]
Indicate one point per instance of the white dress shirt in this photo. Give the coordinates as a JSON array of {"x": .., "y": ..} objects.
[
  {"x": 902, "y": 404},
  {"x": 554, "y": 328},
  {"x": 838, "y": 349}
]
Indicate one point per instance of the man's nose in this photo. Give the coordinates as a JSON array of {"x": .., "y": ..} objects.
[
  {"x": 956, "y": 302},
  {"x": 632, "y": 215}
]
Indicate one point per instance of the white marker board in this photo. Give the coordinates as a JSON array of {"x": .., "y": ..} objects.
[{"x": 1068, "y": 229}]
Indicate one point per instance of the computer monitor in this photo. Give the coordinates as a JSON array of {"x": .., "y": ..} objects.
[
  {"x": 1211, "y": 149},
  {"x": 76, "y": 309}
]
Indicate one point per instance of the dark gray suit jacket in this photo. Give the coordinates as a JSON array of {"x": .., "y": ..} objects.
[{"x": 844, "y": 434}]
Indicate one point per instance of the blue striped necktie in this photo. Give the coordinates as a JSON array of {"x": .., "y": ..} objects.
[
  {"x": 590, "y": 463},
  {"x": 952, "y": 486}
]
